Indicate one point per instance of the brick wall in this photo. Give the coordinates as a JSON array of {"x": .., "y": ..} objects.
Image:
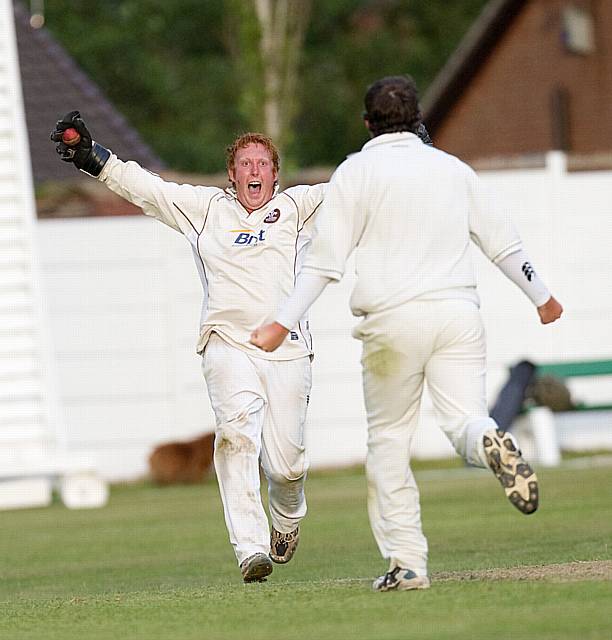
[{"x": 506, "y": 109}]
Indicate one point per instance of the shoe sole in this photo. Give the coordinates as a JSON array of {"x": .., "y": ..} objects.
[
  {"x": 289, "y": 553},
  {"x": 280, "y": 559},
  {"x": 517, "y": 478},
  {"x": 420, "y": 582},
  {"x": 258, "y": 570}
]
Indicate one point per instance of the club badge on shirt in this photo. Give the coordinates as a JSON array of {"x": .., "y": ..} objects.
[{"x": 272, "y": 217}]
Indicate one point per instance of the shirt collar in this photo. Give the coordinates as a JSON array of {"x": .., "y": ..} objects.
[{"x": 390, "y": 138}]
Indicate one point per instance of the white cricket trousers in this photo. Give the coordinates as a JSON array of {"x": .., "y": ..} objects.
[
  {"x": 441, "y": 342},
  {"x": 260, "y": 410}
]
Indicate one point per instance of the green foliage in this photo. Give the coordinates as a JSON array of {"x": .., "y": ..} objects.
[
  {"x": 351, "y": 44},
  {"x": 156, "y": 563},
  {"x": 185, "y": 74},
  {"x": 165, "y": 66}
]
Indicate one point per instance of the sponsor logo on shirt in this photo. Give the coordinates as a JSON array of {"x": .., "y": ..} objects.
[
  {"x": 272, "y": 217},
  {"x": 294, "y": 336},
  {"x": 248, "y": 236}
]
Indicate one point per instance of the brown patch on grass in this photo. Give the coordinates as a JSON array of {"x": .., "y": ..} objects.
[{"x": 598, "y": 570}]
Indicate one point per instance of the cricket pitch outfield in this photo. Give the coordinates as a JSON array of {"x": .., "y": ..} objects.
[{"x": 156, "y": 563}]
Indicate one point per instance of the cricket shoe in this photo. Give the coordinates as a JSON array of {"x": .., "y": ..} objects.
[
  {"x": 400, "y": 580},
  {"x": 515, "y": 475},
  {"x": 256, "y": 567},
  {"x": 283, "y": 545}
]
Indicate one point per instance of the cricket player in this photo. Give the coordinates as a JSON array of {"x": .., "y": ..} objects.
[
  {"x": 409, "y": 211},
  {"x": 248, "y": 243}
]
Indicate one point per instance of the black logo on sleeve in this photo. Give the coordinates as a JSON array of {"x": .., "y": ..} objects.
[
  {"x": 527, "y": 269},
  {"x": 294, "y": 336}
]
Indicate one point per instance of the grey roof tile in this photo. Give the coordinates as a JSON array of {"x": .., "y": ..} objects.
[{"x": 53, "y": 84}]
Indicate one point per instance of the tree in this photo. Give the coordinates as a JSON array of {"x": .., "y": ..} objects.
[
  {"x": 350, "y": 44},
  {"x": 266, "y": 45},
  {"x": 190, "y": 75}
]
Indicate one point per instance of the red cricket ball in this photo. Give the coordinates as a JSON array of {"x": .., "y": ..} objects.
[{"x": 71, "y": 137}]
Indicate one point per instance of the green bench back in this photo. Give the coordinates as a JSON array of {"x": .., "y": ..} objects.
[{"x": 576, "y": 369}]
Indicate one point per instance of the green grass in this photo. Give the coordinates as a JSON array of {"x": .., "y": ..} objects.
[{"x": 156, "y": 563}]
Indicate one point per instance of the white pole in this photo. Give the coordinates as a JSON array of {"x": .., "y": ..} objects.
[{"x": 28, "y": 402}]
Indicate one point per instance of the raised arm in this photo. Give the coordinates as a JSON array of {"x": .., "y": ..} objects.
[{"x": 181, "y": 207}]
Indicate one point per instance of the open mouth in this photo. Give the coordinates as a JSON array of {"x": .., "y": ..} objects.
[{"x": 254, "y": 187}]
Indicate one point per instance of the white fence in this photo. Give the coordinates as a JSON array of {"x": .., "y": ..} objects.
[{"x": 124, "y": 301}]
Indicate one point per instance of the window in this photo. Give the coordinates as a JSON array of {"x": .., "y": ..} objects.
[{"x": 577, "y": 30}]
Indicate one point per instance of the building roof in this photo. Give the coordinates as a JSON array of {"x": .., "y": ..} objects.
[
  {"x": 53, "y": 85},
  {"x": 467, "y": 59}
]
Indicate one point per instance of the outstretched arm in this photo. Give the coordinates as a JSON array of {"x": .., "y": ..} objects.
[
  {"x": 339, "y": 228},
  {"x": 308, "y": 287},
  {"x": 181, "y": 207}
]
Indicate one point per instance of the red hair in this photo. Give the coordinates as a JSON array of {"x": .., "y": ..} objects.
[{"x": 244, "y": 141}]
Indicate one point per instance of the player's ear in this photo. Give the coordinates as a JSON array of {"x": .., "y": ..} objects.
[
  {"x": 366, "y": 122},
  {"x": 231, "y": 174}
]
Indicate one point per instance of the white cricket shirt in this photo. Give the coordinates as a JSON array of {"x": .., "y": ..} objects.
[
  {"x": 409, "y": 211},
  {"x": 247, "y": 262}
]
